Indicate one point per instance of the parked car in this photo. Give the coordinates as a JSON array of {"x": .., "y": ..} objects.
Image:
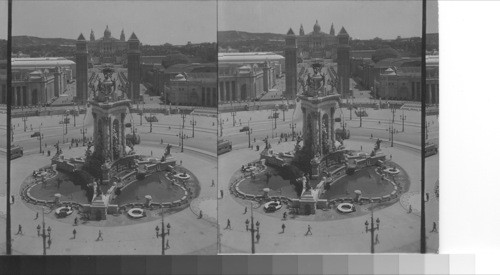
[
  {"x": 244, "y": 129},
  {"x": 35, "y": 134}
]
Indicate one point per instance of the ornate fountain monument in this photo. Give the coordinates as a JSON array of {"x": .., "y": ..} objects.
[
  {"x": 109, "y": 109},
  {"x": 318, "y": 108}
]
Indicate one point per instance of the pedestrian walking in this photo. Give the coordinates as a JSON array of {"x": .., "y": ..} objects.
[
  {"x": 376, "y": 239},
  {"x": 390, "y": 156},
  {"x": 361, "y": 147},
  {"x": 19, "y": 230},
  {"x": 151, "y": 152},
  {"x": 434, "y": 227},
  {"x": 75, "y": 222},
  {"x": 12, "y": 199},
  {"x": 309, "y": 230},
  {"x": 157, "y": 229},
  {"x": 221, "y": 193},
  {"x": 36, "y": 216},
  {"x": 99, "y": 238},
  {"x": 371, "y": 136},
  {"x": 284, "y": 216},
  {"x": 213, "y": 183},
  {"x": 283, "y": 228},
  {"x": 49, "y": 242},
  {"x": 167, "y": 246},
  {"x": 228, "y": 226},
  {"x": 246, "y": 223},
  {"x": 38, "y": 230},
  {"x": 409, "y": 209},
  {"x": 74, "y": 233},
  {"x": 201, "y": 215},
  {"x": 245, "y": 210},
  {"x": 426, "y": 196},
  {"x": 257, "y": 237}
]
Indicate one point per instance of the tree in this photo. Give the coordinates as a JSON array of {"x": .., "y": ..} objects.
[{"x": 384, "y": 53}]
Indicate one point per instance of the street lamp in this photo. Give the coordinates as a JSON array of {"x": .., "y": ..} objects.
[
  {"x": 163, "y": 233},
  {"x": 40, "y": 137},
  {"x": 182, "y": 136},
  {"x": 44, "y": 234},
  {"x": 150, "y": 122},
  {"x": 293, "y": 125},
  {"x": 183, "y": 116},
  {"x": 193, "y": 123},
  {"x": 393, "y": 111},
  {"x": 249, "y": 132},
  {"x": 252, "y": 228},
  {"x": 233, "y": 114},
  {"x": 403, "y": 118},
  {"x": 220, "y": 125},
  {"x": 25, "y": 118},
  {"x": 83, "y": 131},
  {"x": 392, "y": 131},
  {"x": 372, "y": 229}
]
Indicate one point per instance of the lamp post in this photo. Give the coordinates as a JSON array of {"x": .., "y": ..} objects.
[
  {"x": 392, "y": 131},
  {"x": 285, "y": 108},
  {"x": 75, "y": 114},
  {"x": 360, "y": 114},
  {"x": 183, "y": 116},
  {"x": 150, "y": 122},
  {"x": 403, "y": 118},
  {"x": 275, "y": 117},
  {"x": 193, "y": 123},
  {"x": 25, "y": 118},
  {"x": 249, "y": 132},
  {"x": 350, "y": 109},
  {"x": 372, "y": 229},
  {"x": 393, "y": 111},
  {"x": 220, "y": 125},
  {"x": 45, "y": 233},
  {"x": 293, "y": 125},
  {"x": 182, "y": 136},
  {"x": 163, "y": 233},
  {"x": 427, "y": 124},
  {"x": 40, "y": 137},
  {"x": 66, "y": 121},
  {"x": 233, "y": 114},
  {"x": 252, "y": 229},
  {"x": 83, "y": 131}
]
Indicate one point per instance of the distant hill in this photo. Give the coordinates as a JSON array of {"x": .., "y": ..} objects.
[
  {"x": 26, "y": 41},
  {"x": 234, "y": 36}
]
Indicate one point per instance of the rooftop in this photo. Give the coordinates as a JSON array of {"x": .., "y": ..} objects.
[{"x": 248, "y": 57}]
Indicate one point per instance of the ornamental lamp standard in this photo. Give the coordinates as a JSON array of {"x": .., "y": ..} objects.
[
  {"x": 372, "y": 229},
  {"x": 193, "y": 123},
  {"x": 249, "y": 132},
  {"x": 163, "y": 233},
  {"x": 83, "y": 131},
  {"x": 252, "y": 228},
  {"x": 233, "y": 114},
  {"x": 403, "y": 118},
  {"x": 293, "y": 125},
  {"x": 25, "y": 118}
]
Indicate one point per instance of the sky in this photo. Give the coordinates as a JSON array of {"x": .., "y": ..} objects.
[
  {"x": 154, "y": 22},
  {"x": 362, "y": 19}
]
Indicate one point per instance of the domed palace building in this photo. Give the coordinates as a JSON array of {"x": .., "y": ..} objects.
[
  {"x": 108, "y": 49},
  {"x": 317, "y": 44}
]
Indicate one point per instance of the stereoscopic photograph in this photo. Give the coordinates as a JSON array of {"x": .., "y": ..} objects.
[
  {"x": 114, "y": 112},
  {"x": 320, "y": 127}
]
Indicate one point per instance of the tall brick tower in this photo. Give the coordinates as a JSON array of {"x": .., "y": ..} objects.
[
  {"x": 134, "y": 73},
  {"x": 81, "y": 70},
  {"x": 291, "y": 64},
  {"x": 343, "y": 62}
]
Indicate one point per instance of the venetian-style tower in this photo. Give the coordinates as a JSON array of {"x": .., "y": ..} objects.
[
  {"x": 81, "y": 70},
  {"x": 291, "y": 65},
  {"x": 134, "y": 72},
  {"x": 343, "y": 63}
]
